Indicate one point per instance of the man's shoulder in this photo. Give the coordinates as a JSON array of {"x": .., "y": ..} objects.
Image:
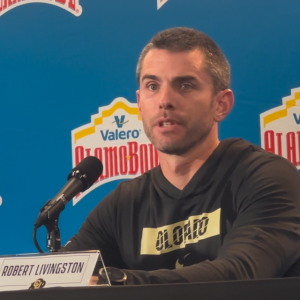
[
  {"x": 247, "y": 152},
  {"x": 253, "y": 164}
]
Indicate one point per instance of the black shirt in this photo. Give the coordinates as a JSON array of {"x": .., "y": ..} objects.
[{"x": 237, "y": 218}]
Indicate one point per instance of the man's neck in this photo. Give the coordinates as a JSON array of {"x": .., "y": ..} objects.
[{"x": 179, "y": 170}]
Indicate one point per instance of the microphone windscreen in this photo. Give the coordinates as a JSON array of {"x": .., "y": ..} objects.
[{"x": 91, "y": 166}]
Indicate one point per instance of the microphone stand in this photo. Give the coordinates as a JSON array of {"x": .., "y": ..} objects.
[
  {"x": 53, "y": 236},
  {"x": 80, "y": 179},
  {"x": 53, "y": 233}
]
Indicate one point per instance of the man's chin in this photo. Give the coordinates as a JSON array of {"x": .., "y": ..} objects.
[{"x": 173, "y": 149}]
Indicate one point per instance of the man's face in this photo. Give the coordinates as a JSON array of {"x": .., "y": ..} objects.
[{"x": 175, "y": 100}]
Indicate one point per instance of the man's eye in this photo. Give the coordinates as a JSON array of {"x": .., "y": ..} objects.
[
  {"x": 186, "y": 87},
  {"x": 152, "y": 87}
]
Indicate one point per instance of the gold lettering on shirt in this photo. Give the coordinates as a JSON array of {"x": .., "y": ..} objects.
[{"x": 156, "y": 241}]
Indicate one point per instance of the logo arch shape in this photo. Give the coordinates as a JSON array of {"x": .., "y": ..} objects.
[{"x": 71, "y": 6}]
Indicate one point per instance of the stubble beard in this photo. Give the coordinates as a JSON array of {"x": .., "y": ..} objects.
[{"x": 192, "y": 137}]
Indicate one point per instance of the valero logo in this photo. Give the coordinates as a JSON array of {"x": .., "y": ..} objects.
[
  {"x": 116, "y": 136},
  {"x": 71, "y": 6},
  {"x": 280, "y": 128}
]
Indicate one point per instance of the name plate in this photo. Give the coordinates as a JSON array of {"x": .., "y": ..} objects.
[{"x": 37, "y": 271}]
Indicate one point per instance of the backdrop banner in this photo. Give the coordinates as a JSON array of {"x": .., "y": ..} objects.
[{"x": 68, "y": 90}]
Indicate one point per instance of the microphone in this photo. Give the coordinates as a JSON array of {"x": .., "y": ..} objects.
[{"x": 79, "y": 180}]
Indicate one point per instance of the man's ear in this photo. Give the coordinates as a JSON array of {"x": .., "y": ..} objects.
[{"x": 223, "y": 104}]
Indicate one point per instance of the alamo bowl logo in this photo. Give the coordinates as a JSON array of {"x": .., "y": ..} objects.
[
  {"x": 115, "y": 136},
  {"x": 280, "y": 128},
  {"x": 71, "y": 6}
]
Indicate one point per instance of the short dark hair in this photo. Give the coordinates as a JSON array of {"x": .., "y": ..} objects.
[{"x": 180, "y": 39}]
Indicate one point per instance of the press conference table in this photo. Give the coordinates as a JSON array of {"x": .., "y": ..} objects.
[{"x": 275, "y": 289}]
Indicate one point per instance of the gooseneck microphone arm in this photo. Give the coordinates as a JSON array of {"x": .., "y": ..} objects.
[
  {"x": 52, "y": 208},
  {"x": 80, "y": 179}
]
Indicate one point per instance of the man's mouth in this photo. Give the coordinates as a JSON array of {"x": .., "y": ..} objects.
[{"x": 166, "y": 123}]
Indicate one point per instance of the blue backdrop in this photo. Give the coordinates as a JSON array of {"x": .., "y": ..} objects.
[{"x": 56, "y": 69}]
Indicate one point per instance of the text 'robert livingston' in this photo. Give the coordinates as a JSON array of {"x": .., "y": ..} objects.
[{"x": 57, "y": 268}]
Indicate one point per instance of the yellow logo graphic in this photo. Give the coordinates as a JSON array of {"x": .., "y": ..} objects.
[
  {"x": 116, "y": 136},
  {"x": 38, "y": 284},
  {"x": 280, "y": 128},
  {"x": 105, "y": 114},
  {"x": 178, "y": 265},
  {"x": 156, "y": 241}
]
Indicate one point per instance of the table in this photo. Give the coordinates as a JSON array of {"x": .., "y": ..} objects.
[{"x": 264, "y": 289}]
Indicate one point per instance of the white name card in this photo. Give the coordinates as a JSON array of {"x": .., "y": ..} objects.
[{"x": 36, "y": 271}]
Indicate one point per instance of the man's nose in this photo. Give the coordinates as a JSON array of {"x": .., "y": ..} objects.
[{"x": 166, "y": 98}]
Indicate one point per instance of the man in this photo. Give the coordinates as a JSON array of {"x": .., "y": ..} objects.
[{"x": 212, "y": 210}]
